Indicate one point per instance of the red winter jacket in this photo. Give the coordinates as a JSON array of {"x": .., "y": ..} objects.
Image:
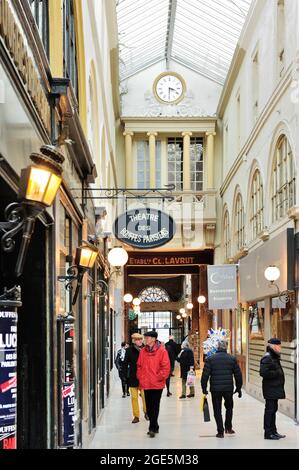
[{"x": 153, "y": 367}]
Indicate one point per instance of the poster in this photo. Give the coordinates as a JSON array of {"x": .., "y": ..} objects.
[
  {"x": 69, "y": 414},
  {"x": 222, "y": 286},
  {"x": 8, "y": 379}
]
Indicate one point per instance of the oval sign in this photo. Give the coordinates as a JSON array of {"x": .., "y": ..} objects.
[{"x": 144, "y": 228}]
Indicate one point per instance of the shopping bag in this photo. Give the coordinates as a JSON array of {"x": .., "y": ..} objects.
[
  {"x": 206, "y": 411},
  {"x": 191, "y": 378}
]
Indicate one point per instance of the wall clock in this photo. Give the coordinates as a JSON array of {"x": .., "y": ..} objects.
[{"x": 169, "y": 88}]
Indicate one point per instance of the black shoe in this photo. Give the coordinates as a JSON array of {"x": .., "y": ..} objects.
[
  {"x": 190, "y": 396},
  {"x": 151, "y": 434},
  {"x": 146, "y": 417},
  {"x": 169, "y": 394},
  {"x": 182, "y": 396},
  {"x": 272, "y": 437},
  {"x": 128, "y": 394},
  {"x": 124, "y": 396},
  {"x": 229, "y": 431},
  {"x": 220, "y": 434},
  {"x": 281, "y": 436}
]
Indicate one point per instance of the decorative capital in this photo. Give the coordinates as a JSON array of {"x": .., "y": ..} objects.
[
  {"x": 128, "y": 133},
  {"x": 210, "y": 134},
  {"x": 187, "y": 134},
  {"x": 152, "y": 134}
]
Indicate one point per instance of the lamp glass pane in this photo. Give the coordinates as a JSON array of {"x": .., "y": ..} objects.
[
  {"x": 85, "y": 257},
  {"x": 37, "y": 184},
  {"x": 51, "y": 191}
]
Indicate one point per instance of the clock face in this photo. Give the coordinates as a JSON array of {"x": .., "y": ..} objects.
[{"x": 169, "y": 88}]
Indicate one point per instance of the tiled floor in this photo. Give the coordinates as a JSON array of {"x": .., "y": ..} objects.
[{"x": 182, "y": 426}]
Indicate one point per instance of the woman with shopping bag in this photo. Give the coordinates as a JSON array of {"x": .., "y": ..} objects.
[{"x": 186, "y": 360}]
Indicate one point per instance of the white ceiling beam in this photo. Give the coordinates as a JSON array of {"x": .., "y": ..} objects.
[{"x": 170, "y": 31}]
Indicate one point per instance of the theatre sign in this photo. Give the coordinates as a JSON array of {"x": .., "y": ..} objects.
[{"x": 144, "y": 228}]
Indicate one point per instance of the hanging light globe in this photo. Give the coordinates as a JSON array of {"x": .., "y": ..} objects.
[
  {"x": 201, "y": 299},
  {"x": 189, "y": 305},
  {"x": 118, "y": 257},
  {"x": 272, "y": 273},
  {"x": 136, "y": 301},
  {"x": 128, "y": 298}
]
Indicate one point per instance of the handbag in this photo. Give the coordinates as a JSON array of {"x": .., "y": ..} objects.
[{"x": 205, "y": 409}]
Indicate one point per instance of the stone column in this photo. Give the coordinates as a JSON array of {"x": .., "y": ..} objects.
[
  {"x": 210, "y": 159},
  {"x": 129, "y": 159},
  {"x": 186, "y": 161},
  {"x": 152, "y": 158}
]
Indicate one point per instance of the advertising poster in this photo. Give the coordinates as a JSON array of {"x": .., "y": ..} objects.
[
  {"x": 69, "y": 414},
  {"x": 8, "y": 379}
]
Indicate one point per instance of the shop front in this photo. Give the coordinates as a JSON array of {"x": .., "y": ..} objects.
[{"x": 269, "y": 313}]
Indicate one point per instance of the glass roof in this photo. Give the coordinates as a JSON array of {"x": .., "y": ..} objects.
[{"x": 199, "y": 34}]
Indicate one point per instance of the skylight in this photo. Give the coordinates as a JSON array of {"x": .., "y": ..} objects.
[{"x": 199, "y": 34}]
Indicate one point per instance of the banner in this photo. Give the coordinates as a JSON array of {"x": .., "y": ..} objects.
[
  {"x": 8, "y": 379},
  {"x": 222, "y": 286}
]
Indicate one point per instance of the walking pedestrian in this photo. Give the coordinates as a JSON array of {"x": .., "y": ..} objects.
[
  {"x": 172, "y": 349},
  {"x": 169, "y": 351},
  {"x": 119, "y": 365},
  {"x": 186, "y": 360},
  {"x": 273, "y": 387},
  {"x": 220, "y": 369},
  {"x": 130, "y": 370},
  {"x": 153, "y": 368}
]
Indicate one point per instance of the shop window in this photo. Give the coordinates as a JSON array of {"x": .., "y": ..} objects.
[
  {"x": 283, "y": 179},
  {"x": 256, "y": 320},
  {"x": 175, "y": 162},
  {"x": 256, "y": 341},
  {"x": 40, "y": 11},
  {"x": 256, "y": 205},
  {"x": 239, "y": 223},
  {"x": 196, "y": 157},
  {"x": 283, "y": 327},
  {"x": 283, "y": 320},
  {"x": 69, "y": 44},
  {"x": 143, "y": 164}
]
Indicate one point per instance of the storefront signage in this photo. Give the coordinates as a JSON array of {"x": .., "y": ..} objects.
[
  {"x": 8, "y": 379},
  {"x": 171, "y": 258},
  {"x": 144, "y": 228},
  {"x": 69, "y": 409},
  {"x": 222, "y": 286},
  {"x": 12, "y": 35}
]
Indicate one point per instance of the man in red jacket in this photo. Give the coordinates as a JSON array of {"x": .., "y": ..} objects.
[{"x": 153, "y": 368}]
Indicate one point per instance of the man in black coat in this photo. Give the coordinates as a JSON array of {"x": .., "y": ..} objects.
[
  {"x": 221, "y": 368},
  {"x": 273, "y": 387},
  {"x": 130, "y": 370},
  {"x": 172, "y": 349}
]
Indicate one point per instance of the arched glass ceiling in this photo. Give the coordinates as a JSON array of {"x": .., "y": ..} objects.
[{"x": 199, "y": 34}]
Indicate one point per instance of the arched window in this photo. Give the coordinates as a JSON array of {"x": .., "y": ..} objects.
[
  {"x": 239, "y": 223},
  {"x": 154, "y": 294},
  {"x": 256, "y": 205},
  {"x": 283, "y": 179},
  {"x": 226, "y": 235}
]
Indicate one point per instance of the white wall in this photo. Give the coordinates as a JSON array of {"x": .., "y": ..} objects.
[
  {"x": 278, "y": 113},
  {"x": 138, "y": 99}
]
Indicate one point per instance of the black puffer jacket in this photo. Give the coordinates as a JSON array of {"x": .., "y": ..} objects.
[
  {"x": 186, "y": 360},
  {"x": 273, "y": 376},
  {"x": 220, "y": 369},
  {"x": 130, "y": 366}
]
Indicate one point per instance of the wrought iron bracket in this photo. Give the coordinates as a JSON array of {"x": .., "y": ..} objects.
[
  {"x": 11, "y": 297},
  {"x": 283, "y": 296},
  {"x": 128, "y": 193}
]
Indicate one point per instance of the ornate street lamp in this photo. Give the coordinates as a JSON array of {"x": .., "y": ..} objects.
[
  {"x": 85, "y": 259},
  {"x": 272, "y": 274}
]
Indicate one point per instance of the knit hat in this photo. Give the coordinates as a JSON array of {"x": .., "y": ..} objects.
[
  {"x": 136, "y": 336},
  {"x": 152, "y": 334},
  {"x": 274, "y": 341}
]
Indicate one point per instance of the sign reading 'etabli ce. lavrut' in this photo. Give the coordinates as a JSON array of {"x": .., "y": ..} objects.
[{"x": 144, "y": 228}]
